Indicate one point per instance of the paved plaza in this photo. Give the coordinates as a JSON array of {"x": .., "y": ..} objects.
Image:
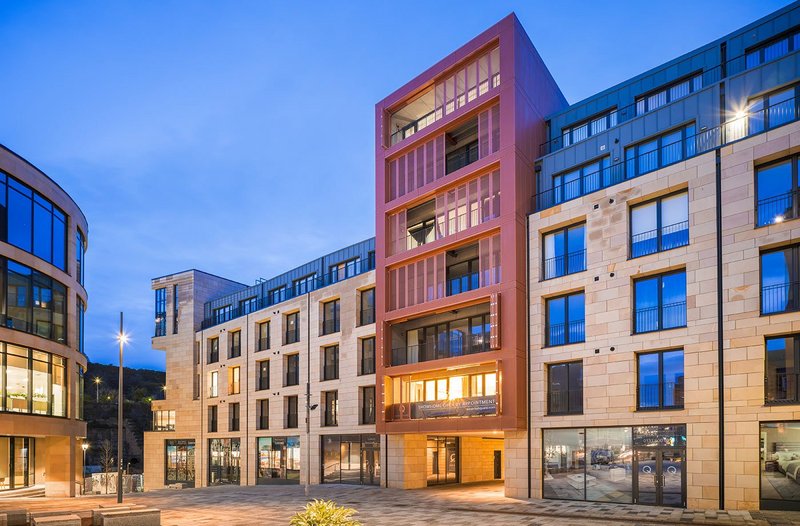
[{"x": 465, "y": 505}]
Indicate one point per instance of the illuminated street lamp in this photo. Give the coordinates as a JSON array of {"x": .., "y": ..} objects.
[
  {"x": 84, "y": 447},
  {"x": 97, "y": 381},
  {"x": 122, "y": 338}
]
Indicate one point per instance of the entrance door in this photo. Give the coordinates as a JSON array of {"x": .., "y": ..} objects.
[
  {"x": 369, "y": 466},
  {"x": 442, "y": 460},
  {"x": 498, "y": 464},
  {"x": 660, "y": 478}
]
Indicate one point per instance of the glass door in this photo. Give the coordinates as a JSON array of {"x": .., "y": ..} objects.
[
  {"x": 647, "y": 475},
  {"x": 442, "y": 460},
  {"x": 660, "y": 479},
  {"x": 369, "y": 466},
  {"x": 672, "y": 478}
]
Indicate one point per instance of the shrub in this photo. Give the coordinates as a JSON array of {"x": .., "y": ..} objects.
[{"x": 325, "y": 513}]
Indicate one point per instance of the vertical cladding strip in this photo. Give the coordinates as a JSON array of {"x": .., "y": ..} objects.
[
  {"x": 528, "y": 347},
  {"x": 720, "y": 335}
]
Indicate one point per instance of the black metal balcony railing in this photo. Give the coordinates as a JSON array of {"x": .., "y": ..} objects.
[
  {"x": 292, "y": 336},
  {"x": 353, "y": 269},
  {"x": 436, "y": 350},
  {"x": 330, "y": 372},
  {"x": 667, "y": 316},
  {"x": 565, "y": 402},
  {"x": 667, "y": 395},
  {"x": 366, "y": 316},
  {"x": 777, "y": 208},
  {"x": 262, "y": 344},
  {"x": 367, "y": 366},
  {"x": 669, "y": 153},
  {"x": 292, "y": 378},
  {"x": 781, "y": 388},
  {"x": 659, "y": 240},
  {"x": 463, "y": 283},
  {"x": 566, "y": 333},
  {"x": 329, "y": 326},
  {"x": 565, "y": 264},
  {"x": 781, "y": 297},
  {"x": 163, "y": 427},
  {"x": 461, "y": 157}
]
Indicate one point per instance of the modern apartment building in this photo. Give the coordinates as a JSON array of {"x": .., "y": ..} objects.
[
  {"x": 246, "y": 365},
  {"x": 42, "y": 361},
  {"x": 455, "y": 152},
  {"x": 663, "y": 283}
]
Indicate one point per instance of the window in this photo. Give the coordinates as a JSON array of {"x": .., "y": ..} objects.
[
  {"x": 565, "y": 251},
  {"x": 277, "y": 295},
  {"x": 579, "y": 132},
  {"x": 305, "y": 284},
  {"x": 782, "y": 369},
  {"x": 772, "y": 110},
  {"x": 660, "y": 302},
  {"x": 367, "y": 405},
  {"x": 223, "y": 314},
  {"x": 457, "y": 396},
  {"x": 32, "y": 381},
  {"x": 462, "y": 336},
  {"x": 80, "y": 386},
  {"x": 233, "y": 417},
  {"x": 367, "y": 314},
  {"x": 161, "y": 312},
  {"x": 344, "y": 270},
  {"x": 213, "y": 384},
  {"x": 292, "y": 368},
  {"x": 463, "y": 277},
  {"x": 659, "y": 225},
  {"x": 291, "y": 412},
  {"x": 179, "y": 462},
  {"x": 292, "y": 324},
  {"x": 565, "y": 320},
  {"x": 780, "y": 280},
  {"x": 175, "y": 304},
  {"x": 80, "y": 255},
  {"x": 330, "y": 408},
  {"x": 772, "y": 49},
  {"x": 580, "y": 181},
  {"x": 565, "y": 388},
  {"x": 81, "y": 336},
  {"x": 212, "y": 419},
  {"x": 35, "y": 303},
  {"x": 660, "y": 380},
  {"x": 330, "y": 365},
  {"x": 213, "y": 350},
  {"x": 262, "y": 380},
  {"x": 661, "y": 151},
  {"x": 673, "y": 92},
  {"x": 262, "y": 418},
  {"x": 234, "y": 380},
  {"x": 248, "y": 305},
  {"x": 164, "y": 420},
  {"x": 34, "y": 224},
  {"x": 263, "y": 336},
  {"x": 367, "y": 360},
  {"x": 234, "y": 344},
  {"x": 776, "y": 192},
  {"x": 330, "y": 317}
]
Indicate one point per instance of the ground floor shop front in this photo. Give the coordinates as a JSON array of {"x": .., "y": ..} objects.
[{"x": 51, "y": 463}]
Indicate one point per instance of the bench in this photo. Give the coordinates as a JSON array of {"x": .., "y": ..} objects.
[
  {"x": 14, "y": 518},
  {"x": 57, "y": 520},
  {"x": 97, "y": 515},
  {"x": 133, "y": 517}
]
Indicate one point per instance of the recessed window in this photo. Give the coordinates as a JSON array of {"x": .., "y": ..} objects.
[
  {"x": 161, "y": 312},
  {"x": 664, "y": 150},
  {"x": 780, "y": 280},
  {"x": 234, "y": 344},
  {"x": 234, "y": 380},
  {"x": 366, "y": 363},
  {"x": 565, "y": 251},
  {"x": 233, "y": 417},
  {"x": 659, "y": 225},
  {"x": 290, "y": 407},
  {"x": 213, "y": 350},
  {"x": 262, "y": 380},
  {"x": 330, "y": 363},
  {"x": 367, "y": 405},
  {"x": 565, "y": 388},
  {"x": 262, "y": 416},
  {"x": 292, "y": 325},
  {"x": 262, "y": 343},
  {"x": 330, "y": 317},
  {"x": 660, "y": 302},
  {"x": 213, "y": 384},
  {"x": 565, "y": 320},
  {"x": 212, "y": 419},
  {"x": 292, "y": 369},
  {"x": 777, "y": 192},
  {"x": 367, "y": 312},
  {"x": 330, "y": 408},
  {"x": 660, "y": 382}
]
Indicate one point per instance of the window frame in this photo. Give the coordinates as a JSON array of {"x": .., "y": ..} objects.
[
  {"x": 660, "y": 277},
  {"x": 234, "y": 414},
  {"x": 659, "y": 138},
  {"x": 567, "y": 320},
  {"x": 790, "y": 34},
  {"x": 263, "y": 342},
  {"x": 661, "y": 385},
  {"x": 659, "y": 236},
  {"x": 364, "y": 417},
  {"x": 260, "y": 376},
  {"x": 565, "y": 230},
  {"x": 261, "y": 417},
  {"x": 666, "y": 88},
  {"x": 569, "y": 410},
  {"x": 361, "y": 369},
  {"x": 234, "y": 344},
  {"x": 609, "y": 116},
  {"x": 793, "y": 299}
]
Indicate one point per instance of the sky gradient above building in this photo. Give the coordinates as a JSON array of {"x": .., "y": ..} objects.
[{"x": 238, "y": 139}]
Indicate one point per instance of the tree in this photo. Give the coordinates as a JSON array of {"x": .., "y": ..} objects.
[{"x": 106, "y": 459}]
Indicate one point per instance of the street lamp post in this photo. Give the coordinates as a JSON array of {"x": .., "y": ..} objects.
[
  {"x": 122, "y": 338},
  {"x": 84, "y": 447},
  {"x": 97, "y": 382},
  {"x": 309, "y": 408}
]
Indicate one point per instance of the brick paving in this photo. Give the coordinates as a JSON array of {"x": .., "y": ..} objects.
[{"x": 464, "y": 505}]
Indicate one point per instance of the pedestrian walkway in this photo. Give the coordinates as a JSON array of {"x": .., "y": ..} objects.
[{"x": 458, "y": 505}]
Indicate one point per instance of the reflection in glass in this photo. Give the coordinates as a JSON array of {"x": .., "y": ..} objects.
[
  {"x": 610, "y": 456},
  {"x": 779, "y": 461},
  {"x": 564, "y": 459}
]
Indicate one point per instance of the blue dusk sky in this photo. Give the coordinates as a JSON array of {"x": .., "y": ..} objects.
[{"x": 237, "y": 137}]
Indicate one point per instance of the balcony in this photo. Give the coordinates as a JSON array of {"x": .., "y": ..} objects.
[
  {"x": 778, "y": 208},
  {"x": 447, "y": 347},
  {"x": 461, "y": 146},
  {"x": 566, "y": 333},
  {"x": 667, "y": 316},
  {"x": 659, "y": 240},
  {"x": 780, "y": 297},
  {"x": 565, "y": 264}
]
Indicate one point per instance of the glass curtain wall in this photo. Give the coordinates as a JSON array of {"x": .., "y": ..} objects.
[
  {"x": 278, "y": 460},
  {"x": 350, "y": 459},
  {"x": 223, "y": 461}
]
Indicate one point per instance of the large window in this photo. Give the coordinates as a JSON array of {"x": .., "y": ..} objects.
[
  {"x": 660, "y": 302},
  {"x": 262, "y": 380},
  {"x": 344, "y": 270},
  {"x": 468, "y": 335},
  {"x": 660, "y": 380},
  {"x": 780, "y": 280},
  {"x": 779, "y": 451},
  {"x": 292, "y": 324},
  {"x": 367, "y": 405},
  {"x": 262, "y": 414},
  {"x": 32, "y": 381},
  {"x": 660, "y": 224},
  {"x": 579, "y": 181},
  {"x": 350, "y": 459},
  {"x": 223, "y": 461},
  {"x": 565, "y": 251},
  {"x": 661, "y": 151},
  {"x": 234, "y": 380},
  {"x": 773, "y": 49},
  {"x": 777, "y": 195},
  {"x": 179, "y": 462},
  {"x": 234, "y": 344},
  {"x": 366, "y": 362},
  {"x": 305, "y": 284},
  {"x": 80, "y": 256},
  {"x": 278, "y": 460},
  {"x": 34, "y": 224},
  {"x": 248, "y": 305},
  {"x": 673, "y": 92},
  {"x": 164, "y": 420},
  {"x": 330, "y": 408},
  {"x": 330, "y": 362},
  {"x": 222, "y": 314},
  {"x": 782, "y": 370},
  {"x": 213, "y": 350},
  {"x": 565, "y": 317},
  {"x": 233, "y": 416},
  {"x": 579, "y": 132},
  {"x": 35, "y": 303},
  {"x": 291, "y": 412},
  {"x": 212, "y": 419},
  {"x": 772, "y": 110},
  {"x": 463, "y": 276},
  {"x": 330, "y": 317},
  {"x": 367, "y": 312},
  {"x": 291, "y": 363},
  {"x": 262, "y": 343},
  {"x": 458, "y": 396},
  {"x": 161, "y": 312},
  {"x": 565, "y": 388}
]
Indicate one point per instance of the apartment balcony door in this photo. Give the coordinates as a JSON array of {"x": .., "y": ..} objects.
[{"x": 660, "y": 477}]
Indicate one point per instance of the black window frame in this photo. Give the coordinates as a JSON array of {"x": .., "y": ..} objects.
[
  {"x": 290, "y": 410},
  {"x": 660, "y": 306},
  {"x": 567, "y": 321},
  {"x": 566, "y": 257},
  {"x": 793, "y": 294},
  {"x": 685, "y": 137},
  {"x": 234, "y": 344},
  {"x": 661, "y": 406},
  {"x": 288, "y": 378},
  {"x": 331, "y": 323},
  {"x": 262, "y": 380},
  {"x": 789, "y": 34},
  {"x": 213, "y": 413},
  {"x": 370, "y": 311},
  {"x": 291, "y": 336},
  {"x": 175, "y": 309},
  {"x": 263, "y": 342},
  {"x": 666, "y": 88},
  {"x": 330, "y": 371},
  {"x": 362, "y": 362},
  {"x": 233, "y": 416},
  {"x": 570, "y": 410},
  {"x": 605, "y": 115},
  {"x": 262, "y": 416},
  {"x": 330, "y": 409},
  {"x": 659, "y": 227},
  {"x": 212, "y": 356},
  {"x": 793, "y": 160},
  {"x": 161, "y": 312},
  {"x": 367, "y": 417}
]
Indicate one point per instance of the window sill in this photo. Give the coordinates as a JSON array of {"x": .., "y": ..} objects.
[
  {"x": 656, "y": 409},
  {"x": 571, "y": 413},
  {"x": 779, "y": 403},
  {"x": 657, "y": 252},
  {"x": 562, "y": 275},
  {"x": 563, "y": 344},
  {"x": 634, "y": 333}
]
